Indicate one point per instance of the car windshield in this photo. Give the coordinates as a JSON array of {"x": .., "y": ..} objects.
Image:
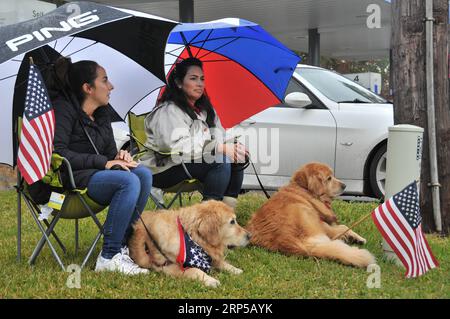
[{"x": 338, "y": 88}]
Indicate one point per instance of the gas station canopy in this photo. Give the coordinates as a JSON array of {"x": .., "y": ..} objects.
[{"x": 348, "y": 29}]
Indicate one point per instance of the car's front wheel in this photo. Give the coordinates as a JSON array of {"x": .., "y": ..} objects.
[{"x": 377, "y": 172}]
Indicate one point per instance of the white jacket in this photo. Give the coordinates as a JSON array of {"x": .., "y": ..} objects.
[{"x": 170, "y": 129}]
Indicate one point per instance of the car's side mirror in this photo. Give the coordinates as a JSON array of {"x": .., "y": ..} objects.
[{"x": 297, "y": 99}]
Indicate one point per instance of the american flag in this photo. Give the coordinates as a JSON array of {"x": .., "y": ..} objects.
[
  {"x": 191, "y": 255},
  {"x": 399, "y": 222},
  {"x": 38, "y": 126}
]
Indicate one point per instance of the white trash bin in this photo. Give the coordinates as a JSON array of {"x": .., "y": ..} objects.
[{"x": 404, "y": 157}]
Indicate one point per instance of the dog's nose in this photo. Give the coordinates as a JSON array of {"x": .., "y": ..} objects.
[
  {"x": 343, "y": 186},
  {"x": 249, "y": 236}
]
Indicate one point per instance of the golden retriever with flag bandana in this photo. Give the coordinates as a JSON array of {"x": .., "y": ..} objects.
[{"x": 188, "y": 241}]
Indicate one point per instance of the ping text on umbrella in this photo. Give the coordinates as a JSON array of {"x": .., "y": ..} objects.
[{"x": 75, "y": 22}]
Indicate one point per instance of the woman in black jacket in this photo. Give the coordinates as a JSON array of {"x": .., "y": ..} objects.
[{"x": 84, "y": 136}]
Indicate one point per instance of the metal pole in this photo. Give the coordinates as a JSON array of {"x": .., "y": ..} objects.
[
  {"x": 76, "y": 237},
  {"x": 314, "y": 47},
  {"x": 19, "y": 217},
  {"x": 186, "y": 10},
  {"x": 429, "y": 20}
]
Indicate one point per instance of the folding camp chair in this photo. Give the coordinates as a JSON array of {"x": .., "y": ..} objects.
[
  {"x": 76, "y": 205},
  {"x": 138, "y": 148}
]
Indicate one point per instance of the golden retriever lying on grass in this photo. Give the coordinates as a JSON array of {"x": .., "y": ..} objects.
[
  {"x": 298, "y": 219},
  {"x": 211, "y": 224}
]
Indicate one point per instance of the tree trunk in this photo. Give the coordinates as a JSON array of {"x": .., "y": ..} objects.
[{"x": 408, "y": 43}]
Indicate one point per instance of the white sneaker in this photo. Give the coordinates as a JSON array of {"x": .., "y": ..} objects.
[
  {"x": 158, "y": 194},
  {"x": 125, "y": 251},
  {"x": 121, "y": 263}
]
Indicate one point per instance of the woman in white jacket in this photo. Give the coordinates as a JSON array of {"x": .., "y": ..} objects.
[{"x": 186, "y": 123}]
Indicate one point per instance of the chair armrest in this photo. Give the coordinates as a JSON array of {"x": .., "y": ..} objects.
[
  {"x": 146, "y": 148},
  {"x": 70, "y": 173},
  {"x": 57, "y": 161}
]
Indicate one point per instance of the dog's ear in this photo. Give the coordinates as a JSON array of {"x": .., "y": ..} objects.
[
  {"x": 208, "y": 228},
  {"x": 316, "y": 184},
  {"x": 301, "y": 179}
]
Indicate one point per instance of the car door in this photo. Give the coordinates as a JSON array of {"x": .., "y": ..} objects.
[{"x": 288, "y": 137}]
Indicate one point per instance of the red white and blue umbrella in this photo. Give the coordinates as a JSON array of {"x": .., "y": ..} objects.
[{"x": 246, "y": 69}]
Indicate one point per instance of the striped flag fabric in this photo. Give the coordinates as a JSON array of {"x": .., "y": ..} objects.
[
  {"x": 38, "y": 127},
  {"x": 399, "y": 222}
]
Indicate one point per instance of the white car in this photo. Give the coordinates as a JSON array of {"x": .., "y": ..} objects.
[{"x": 335, "y": 121}]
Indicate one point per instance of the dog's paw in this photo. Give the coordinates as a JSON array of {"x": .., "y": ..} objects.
[
  {"x": 231, "y": 269},
  {"x": 212, "y": 282},
  {"x": 235, "y": 271},
  {"x": 354, "y": 238},
  {"x": 358, "y": 240}
]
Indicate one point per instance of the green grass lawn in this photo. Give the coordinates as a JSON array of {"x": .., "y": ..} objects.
[{"x": 266, "y": 274}]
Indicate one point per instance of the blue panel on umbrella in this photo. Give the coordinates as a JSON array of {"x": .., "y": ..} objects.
[{"x": 245, "y": 43}]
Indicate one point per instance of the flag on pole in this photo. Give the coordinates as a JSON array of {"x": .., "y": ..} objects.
[
  {"x": 399, "y": 222},
  {"x": 38, "y": 127}
]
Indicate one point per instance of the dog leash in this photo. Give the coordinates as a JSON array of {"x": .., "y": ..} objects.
[
  {"x": 257, "y": 177},
  {"x": 243, "y": 166}
]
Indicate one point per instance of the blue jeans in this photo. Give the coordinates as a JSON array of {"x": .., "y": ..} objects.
[
  {"x": 126, "y": 193},
  {"x": 219, "y": 178}
]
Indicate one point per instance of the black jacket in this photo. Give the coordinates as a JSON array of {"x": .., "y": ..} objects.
[{"x": 71, "y": 142}]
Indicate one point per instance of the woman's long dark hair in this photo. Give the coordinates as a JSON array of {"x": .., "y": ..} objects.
[
  {"x": 70, "y": 77},
  {"x": 175, "y": 94}
]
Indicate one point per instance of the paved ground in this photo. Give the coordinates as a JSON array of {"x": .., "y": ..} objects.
[
  {"x": 358, "y": 198},
  {"x": 345, "y": 198}
]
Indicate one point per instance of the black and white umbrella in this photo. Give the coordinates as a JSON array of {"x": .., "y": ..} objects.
[{"x": 128, "y": 44}]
